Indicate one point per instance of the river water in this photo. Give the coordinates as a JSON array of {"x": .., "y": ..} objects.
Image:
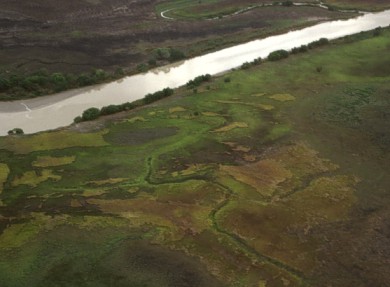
[{"x": 50, "y": 112}]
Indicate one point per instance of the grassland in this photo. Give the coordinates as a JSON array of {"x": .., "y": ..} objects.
[{"x": 276, "y": 178}]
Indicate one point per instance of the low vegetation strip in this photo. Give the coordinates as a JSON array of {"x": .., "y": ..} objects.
[{"x": 94, "y": 113}]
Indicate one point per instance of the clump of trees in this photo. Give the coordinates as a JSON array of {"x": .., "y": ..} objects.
[
  {"x": 281, "y": 54},
  {"x": 16, "y": 131},
  {"x": 94, "y": 113},
  {"x": 198, "y": 81},
  {"x": 15, "y": 85},
  {"x": 150, "y": 98}
]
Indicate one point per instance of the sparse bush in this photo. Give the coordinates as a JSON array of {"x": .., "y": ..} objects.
[
  {"x": 377, "y": 31},
  {"x": 119, "y": 72},
  {"x": 169, "y": 54},
  {"x": 142, "y": 68},
  {"x": 152, "y": 62},
  {"x": 227, "y": 80}
]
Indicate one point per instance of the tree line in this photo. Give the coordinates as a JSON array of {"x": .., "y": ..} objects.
[{"x": 16, "y": 86}]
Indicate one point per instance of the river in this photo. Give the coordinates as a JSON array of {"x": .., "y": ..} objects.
[{"x": 50, "y": 112}]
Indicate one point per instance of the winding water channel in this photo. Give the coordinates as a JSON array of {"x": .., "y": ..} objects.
[{"x": 50, "y": 112}]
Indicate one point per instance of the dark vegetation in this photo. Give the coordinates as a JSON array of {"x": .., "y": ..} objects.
[
  {"x": 42, "y": 82},
  {"x": 16, "y": 131},
  {"x": 255, "y": 62},
  {"x": 278, "y": 55},
  {"x": 198, "y": 80},
  {"x": 94, "y": 113},
  {"x": 121, "y": 38}
]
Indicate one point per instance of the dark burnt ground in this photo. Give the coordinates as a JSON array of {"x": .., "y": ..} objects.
[{"x": 78, "y": 36}]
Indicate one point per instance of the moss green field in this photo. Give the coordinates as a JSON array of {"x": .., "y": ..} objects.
[{"x": 278, "y": 177}]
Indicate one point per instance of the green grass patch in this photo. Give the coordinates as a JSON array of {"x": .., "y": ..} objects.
[
  {"x": 4, "y": 172},
  {"x": 51, "y": 141},
  {"x": 48, "y": 161}
]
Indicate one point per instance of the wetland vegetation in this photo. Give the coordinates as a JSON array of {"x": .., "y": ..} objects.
[
  {"x": 46, "y": 48},
  {"x": 277, "y": 176}
]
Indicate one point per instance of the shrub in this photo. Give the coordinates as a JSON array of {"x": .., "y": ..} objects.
[
  {"x": 162, "y": 53},
  {"x": 142, "y": 68},
  {"x": 150, "y": 98},
  {"x": 176, "y": 55},
  {"x": 77, "y": 119},
  {"x": 318, "y": 43},
  {"x": 84, "y": 80},
  {"x": 227, "y": 80},
  {"x": 109, "y": 110},
  {"x": 90, "y": 114},
  {"x": 287, "y": 3},
  {"x": 303, "y": 48},
  {"x": 277, "y": 55},
  {"x": 16, "y": 131},
  {"x": 197, "y": 81},
  {"x": 295, "y": 50},
  {"x": 377, "y": 31},
  {"x": 245, "y": 65},
  {"x": 257, "y": 61},
  {"x": 127, "y": 106}
]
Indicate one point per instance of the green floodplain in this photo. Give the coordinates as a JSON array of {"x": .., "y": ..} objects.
[{"x": 274, "y": 175}]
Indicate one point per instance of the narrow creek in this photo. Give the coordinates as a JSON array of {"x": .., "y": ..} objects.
[{"x": 54, "y": 111}]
